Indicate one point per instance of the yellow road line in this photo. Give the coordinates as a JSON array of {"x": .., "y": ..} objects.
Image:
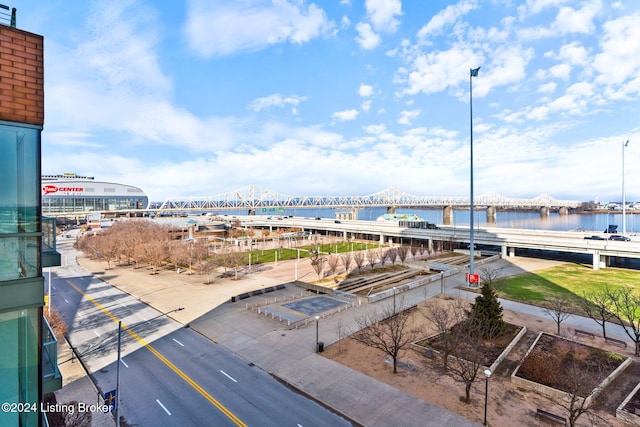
[{"x": 164, "y": 360}]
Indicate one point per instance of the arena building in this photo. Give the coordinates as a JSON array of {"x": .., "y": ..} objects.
[{"x": 70, "y": 193}]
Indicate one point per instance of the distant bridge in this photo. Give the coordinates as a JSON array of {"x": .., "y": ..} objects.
[{"x": 253, "y": 198}]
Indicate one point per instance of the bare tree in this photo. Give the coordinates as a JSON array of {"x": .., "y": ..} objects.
[
  {"x": 444, "y": 316},
  {"x": 558, "y": 309},
  {"x": 403, "y": 252},
  {"x": 469, "y": 352},
  {"x": 599, "y": 307},
  {"x": 579, "y": 384},
  {"x": 389, "y": 329},
  {"x": 627, "y": 312},
  {"x": 108, "y": 246},
  {"x": 392, "y": 255},
  {"x": 347, "y": 259},
  {"x": 207, "y": 266},
  {"x": 371, "y": 258},
  {"x": 383, "y": 256},
  {"x": 414, "y": 250},
  {"x": 317, "y": 263},
  {"x": 359, "y": 259},
  {"x": 75, "y": 417},
  {"x": 332, "y": 264},
  {"x": 490, "y": 274}
]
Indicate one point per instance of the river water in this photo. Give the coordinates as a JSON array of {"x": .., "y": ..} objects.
[{"x": 596, "y": 222}]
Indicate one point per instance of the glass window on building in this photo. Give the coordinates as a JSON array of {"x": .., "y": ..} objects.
[{"x": 21, "y": 290}]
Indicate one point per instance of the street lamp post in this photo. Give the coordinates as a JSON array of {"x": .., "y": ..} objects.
[
  {"x": 473, "y": 73},
  {"x": 117, "y": 411},
  {"x": 487, "y": 374},
  {"x": 317, "y": 342},
  {"x": 624, "y": 202}
]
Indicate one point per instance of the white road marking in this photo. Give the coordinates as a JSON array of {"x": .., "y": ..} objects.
[
  {"x": 228, "y": 376},
  {"x": 67, "y": 301},
  {"x": 124, "y": 363},
  {"x": 163, "y": 407},
  {"x": 178, "y": 342},
  {"x": 96, "y": 332}
]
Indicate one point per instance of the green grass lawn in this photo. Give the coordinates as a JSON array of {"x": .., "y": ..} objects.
[
  {"x": 283, "y": 254},
  {"x": 570, "y": 280}
]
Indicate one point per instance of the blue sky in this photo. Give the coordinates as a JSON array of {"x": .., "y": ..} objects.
[{"x": 200, "y": 97}]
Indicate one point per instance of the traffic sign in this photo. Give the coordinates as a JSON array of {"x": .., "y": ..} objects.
[
  {"x": 473, "y": 278},
  {"x": 110, "y": 400}
]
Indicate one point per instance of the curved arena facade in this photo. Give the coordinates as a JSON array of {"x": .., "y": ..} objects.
[{"x": 77, "y": 194}]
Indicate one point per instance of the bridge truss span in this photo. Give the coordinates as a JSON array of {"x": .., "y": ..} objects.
[{"x": 253, "y": 198}]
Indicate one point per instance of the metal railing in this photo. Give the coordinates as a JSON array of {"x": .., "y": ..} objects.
[{"x": 9, "y": 18}]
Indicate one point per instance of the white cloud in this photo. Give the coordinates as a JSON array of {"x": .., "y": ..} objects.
[
  {"x": 121, "y": 48},
  {"x": 407, "y": 116},
  {"x": 366, "y": 106},
  {"x": 275, "y": 100},
  {"x": 445, "y": 17},
  {"x": 367, "y": 38},
  {"x": 381, "y": 17},
  {"x": 619, "y": 59},
  {"x": 382, "y": 14},
  {"x": 365, "y": 90},
  {"x": 547, "y": 88},
  {"x": 346, "y": 115},
  {"x": 431, "y": 72},
  {"x": 574, "y": 53},
  {"x": 533, "y": 7},
  {"x": 567, "y": 21},
  {"x": 217, "y": 27}
]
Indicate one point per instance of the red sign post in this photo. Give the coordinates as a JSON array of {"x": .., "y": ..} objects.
[{"x": 473, "y": 278}]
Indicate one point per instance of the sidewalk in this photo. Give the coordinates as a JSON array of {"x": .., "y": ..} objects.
[{"x": 76, "y": 385}]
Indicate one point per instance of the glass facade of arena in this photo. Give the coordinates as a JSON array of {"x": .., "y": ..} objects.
[
  {"x": 21, "y": 281},
  {"x": 65, "y": 204}
]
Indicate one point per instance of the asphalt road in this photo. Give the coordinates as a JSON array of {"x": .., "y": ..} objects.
[{"x": 169, "y": 375}]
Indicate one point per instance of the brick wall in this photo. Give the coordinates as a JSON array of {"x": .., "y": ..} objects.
[{"x": 21, "y": 76}]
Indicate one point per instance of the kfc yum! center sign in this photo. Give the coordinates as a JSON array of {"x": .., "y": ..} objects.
[{"x": 54, "y": 189}]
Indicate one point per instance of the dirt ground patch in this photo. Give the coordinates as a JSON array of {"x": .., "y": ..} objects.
[{"x": 507, "y": 405}]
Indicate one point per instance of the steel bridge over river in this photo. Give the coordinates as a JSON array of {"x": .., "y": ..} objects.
[{"x": 253, "y": 198}]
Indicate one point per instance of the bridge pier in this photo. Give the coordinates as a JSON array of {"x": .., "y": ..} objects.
[
  {"x": 600, "y": 261},
  {"x": 251, "y": 212},
  {"x": 391, "y": 209},
  {"x": 544, "y": 211},
  {"x": 447, "y": 215},
  {"x": 563, "y": 210},
  {"x": 491, "y": 215},
  {"x": 382, "y": 239},
  {"x": 506, "y": 251}
]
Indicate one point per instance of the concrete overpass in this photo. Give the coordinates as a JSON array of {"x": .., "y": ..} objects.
[{"x": 506, "y": 239}]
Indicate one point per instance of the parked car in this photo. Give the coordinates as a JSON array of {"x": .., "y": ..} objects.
[
  {"x": 594, "y": 238},
  {"x": 619, "y": 237},
  {"x": 337, "y": 221}
]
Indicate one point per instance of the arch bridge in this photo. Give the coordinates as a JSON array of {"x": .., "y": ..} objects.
[{"x": 253, "y": 198}]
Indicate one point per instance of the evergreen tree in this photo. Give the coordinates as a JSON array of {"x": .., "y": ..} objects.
[{"x": 486, "y": 313}]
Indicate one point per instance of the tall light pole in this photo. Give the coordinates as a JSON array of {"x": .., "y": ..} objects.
[
  {"x": 624, "y": 202},
  {"x": 317, "y": 342},
  {"x": 472, "y": 73},
  {"x": 120, "y": 359},
  {"x": 487, "y": 374}
]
